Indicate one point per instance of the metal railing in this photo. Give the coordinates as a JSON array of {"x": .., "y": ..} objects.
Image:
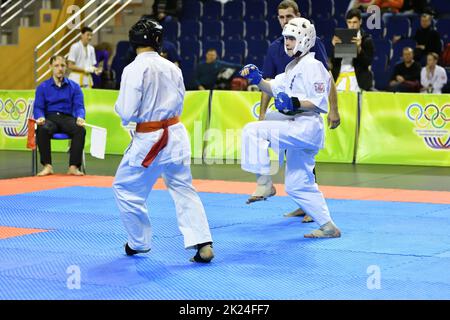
[
  {"x": 11, "y": 9},
  {"x": 59, "y": 46}
]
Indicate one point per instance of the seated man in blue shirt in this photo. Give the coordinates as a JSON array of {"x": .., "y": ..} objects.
[{"x": 59, "y": 107}]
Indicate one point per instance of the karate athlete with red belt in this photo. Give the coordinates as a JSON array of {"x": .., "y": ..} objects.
[{"x": 151, "y": 94}]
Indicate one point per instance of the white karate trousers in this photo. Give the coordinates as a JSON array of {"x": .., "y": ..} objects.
[
  {"x": 132, "y": 186},
  {"x": 301, "y": 137}
]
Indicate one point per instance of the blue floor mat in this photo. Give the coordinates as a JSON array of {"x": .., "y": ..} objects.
[{"x": 259, "y": 254}]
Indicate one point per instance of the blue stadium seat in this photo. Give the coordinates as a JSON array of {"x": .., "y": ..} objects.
[
  {"x": 255, "y": 10},
  {"x": 212, "y": 30},
  {"x": 233, "y": 47},
  {"x": 234, "y": 10},
  {"x": 190, "y": 30},
  {"x": 328, "y": 46},
  {"x": 443, "y": 27},
  {"x": 192, "y": 10},
  {"x": 442, "y": 7},
  {"x": 340, "y": 8},
  {"x": 341, "y": 22},
  {"x": 177, "y": 46},
  {"x": 217, "y": 44},
  {"x": 383, "y": 47},
  {"x": 256, "y": 30},
  {"x": 325, "y": 28},
  {"x": 257, "y": 47},
  {"x": 234, "y": 29},
  {"x": 233, "y": 58},
  {"x": 212, "y": 11},
  {"x": 398, "y": 49},
  {"x": 379, "y": 63},
  {"x": 376, "y": 33},
  {"x": 415, "y": 24},
  {"x": 257, "y": 60},
  {"x": 322, "y": 9},
  {"x": 274, "y": 30},
  {"x": 305, "y": 8},
  {"x": 382, "y": 80},
  {"x": 171, "y": 30},
  {"x": 191, "y": 48},
  {"x": 398, "y": 26},
  {"x": 188, "y": 65},
  {"x": 272, "y": 9},
  {"x": 119, "y": 61}
]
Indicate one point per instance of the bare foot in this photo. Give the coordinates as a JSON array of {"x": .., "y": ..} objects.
[
  {"x": 74, "y": 171},
  {"x": 48, "y": 170}
]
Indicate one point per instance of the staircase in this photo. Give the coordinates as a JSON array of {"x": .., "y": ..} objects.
[
  {"x": 36, "y": 24},
  {"x": 117, "y": 29},
  {"x": 16, "y": 59}
]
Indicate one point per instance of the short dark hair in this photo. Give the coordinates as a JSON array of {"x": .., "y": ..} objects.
[
  {"x": 211, "y": 49},
  {"x": 286, "y": 4},
  {"x": 353, "y": 13},
  {"x": 53, "y": 58},
  {"x": 427, "y": 15},
  {"x": 85, "y": 29}
]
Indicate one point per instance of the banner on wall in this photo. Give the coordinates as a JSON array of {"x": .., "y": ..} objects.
[
  {"x": 232, "y": 110},
  {"x": 411, "y": 129},
  {"x": 17, "y": 106},
  {"x": 340, "y": 142}
]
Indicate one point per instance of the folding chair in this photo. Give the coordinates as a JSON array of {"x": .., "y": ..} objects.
[{"x": 56, "y": 136}]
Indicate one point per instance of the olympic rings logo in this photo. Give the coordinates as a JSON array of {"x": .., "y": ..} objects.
[
  {"x": 256, "y": 109},
  {"x": 431, "y": 114},
  {"x": 13, "y": 109}
]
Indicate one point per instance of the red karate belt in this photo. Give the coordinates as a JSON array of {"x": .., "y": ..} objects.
[{"x": 162, "y": 142}]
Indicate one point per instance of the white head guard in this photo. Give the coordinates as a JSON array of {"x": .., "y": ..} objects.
[{"x": 304, "y": 33}]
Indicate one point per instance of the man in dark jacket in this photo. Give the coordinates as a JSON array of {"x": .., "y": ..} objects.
[
  {"x": 206, "y": 74},
  {"x": 427, "y": 39},
  {"x": 406, "y": 75},
  {"x": 166, "y": 10},
  {"x": 343, "y": 69}
]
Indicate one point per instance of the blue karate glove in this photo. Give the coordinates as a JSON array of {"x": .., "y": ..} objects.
[
  {"x": 283, "y": 103},
  {"x": 254, "y": 75}
]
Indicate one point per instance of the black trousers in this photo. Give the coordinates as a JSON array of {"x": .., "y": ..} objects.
[{"x": 60, "y": 123}]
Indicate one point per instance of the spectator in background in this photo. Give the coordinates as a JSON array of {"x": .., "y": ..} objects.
[
  {"x": 166, "y": 10},
  {"x": 406, "y": 75},
  {"x": 103, "y": 52},
  {"x": 169, "y": 51},
  {"x": 392, "y": 6},
  {"x": 362, "y": 5},
  {"x": 82, "y": 60},
  {"x": 414, "y": 6},
  {"x": 206, "y": 74},
  {"x": 433, "y": 77},
  {"x": 345, "y": 70},
  {"x": 427, "y": 39}
]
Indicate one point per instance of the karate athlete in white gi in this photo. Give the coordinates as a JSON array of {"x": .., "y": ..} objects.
[
  {"x": 151, "y": 94},
  {"x": 301, "y": 94}
]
